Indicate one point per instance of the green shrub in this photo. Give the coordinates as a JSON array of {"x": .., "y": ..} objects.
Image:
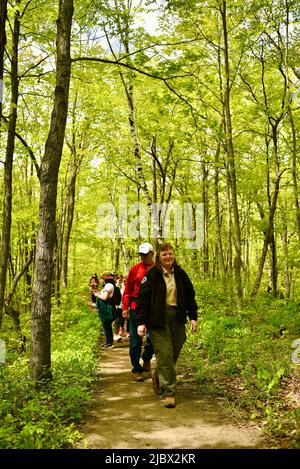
[
  {"x": 253, "y": 346},
  {"x": 40, "y": 419}
]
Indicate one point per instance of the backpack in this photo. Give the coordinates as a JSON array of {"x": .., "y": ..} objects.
[{"x": 117, "y": 297}]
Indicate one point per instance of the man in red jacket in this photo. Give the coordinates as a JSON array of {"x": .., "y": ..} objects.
[{"x": 132, "y": 286}]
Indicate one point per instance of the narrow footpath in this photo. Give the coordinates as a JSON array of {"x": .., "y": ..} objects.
[{"x": 125, "y": 414}]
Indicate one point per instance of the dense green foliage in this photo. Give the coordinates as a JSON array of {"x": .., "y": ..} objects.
[
  {"x": 46, "y": 418},
  {"x": 248, "y": 360},
  {"x": 244, "y": 359},
  {"x": 176, "y": 104}
]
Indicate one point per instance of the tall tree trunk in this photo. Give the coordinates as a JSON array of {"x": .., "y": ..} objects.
[
  {"x": 68, "y": 226},
  {"x": 220, "y": 250},
  {"x": 155, "y": 189},
  {"x": 295, "y": 172},
  {"x": 247, "y": 245},
  {"x": 274, "y": 272},
  {"x": 269, "y": 233},
  {"x": 229, "y": 260},
  {"x": 40, "y": 357},
  {"x": 267, "y": 238},
  {"x": 285, "y": 245},
  {"x": 8, "y": 166},
  {"x": 124, "y": 254},
  {"x": 56, "y": 268},
  {"x": 3, "y": 16},
  {"x": 292, "y": 122},
  {"x": 123, "y": 13},
  {"x": 117, "y": 259},
  {"x": 154, "y": 176},
  {"x": 287, "y": 276},
  {"x": 121, "y": 241},
  {"x": 138, "y": 158},
  {"x": 204, "y": 174},
  {"x": 231, "y": 164},
  {"x": 77, "y": 156},
  {"x": 164, "y": 194}
]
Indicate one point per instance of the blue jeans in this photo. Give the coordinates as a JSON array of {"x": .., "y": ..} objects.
[
  {"x": 135, "y": 345},
  {"x": 108, "y": 332}
]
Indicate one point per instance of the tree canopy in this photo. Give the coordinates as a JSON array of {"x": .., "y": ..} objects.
[{"x": 123, "y": 121}]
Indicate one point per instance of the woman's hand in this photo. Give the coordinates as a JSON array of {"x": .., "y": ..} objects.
[
  {"x": 125, "y": 314},
  {"x": 141, "y": 330},
  {"x": 193, "y": 325}
]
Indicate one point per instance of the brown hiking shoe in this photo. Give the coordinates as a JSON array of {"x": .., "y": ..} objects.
[
  {"x": 138, "y": 377},
  {"x": 155, "y": 383},
  {"x": 146, "y": 366},
  {"x": 169, "y": 402}
]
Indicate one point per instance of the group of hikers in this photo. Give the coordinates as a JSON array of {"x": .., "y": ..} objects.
[{"x": 154, "y": 301}]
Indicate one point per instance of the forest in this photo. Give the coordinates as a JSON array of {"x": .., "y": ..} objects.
[{"x": 123, "y": 121}]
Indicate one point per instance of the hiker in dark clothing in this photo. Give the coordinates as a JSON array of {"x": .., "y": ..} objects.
[
  {"x": 133, "y": 282},
  {"x": 119, "y": 323},
  {"x": 93, "y": 286},
  {"x": 166, "y": 298}
]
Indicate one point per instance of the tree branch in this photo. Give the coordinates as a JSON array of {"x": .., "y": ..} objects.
[
  {"x": 34, "y": 66},
  {"x": 17, "y": 278},
  {"x": 25, "y": 144},
  {"x": 159, "y": 44},
  {"x": 143, "y": 72}
]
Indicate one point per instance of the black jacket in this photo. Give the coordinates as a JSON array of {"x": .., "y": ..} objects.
[{"x": 151, "y": 302}]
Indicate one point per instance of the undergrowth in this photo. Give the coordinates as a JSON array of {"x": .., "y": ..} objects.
[
  {"x": 47, "y": 418},
  {"x": 247, "y": 358}
]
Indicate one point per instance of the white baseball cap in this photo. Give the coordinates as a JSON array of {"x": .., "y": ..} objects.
[{"x": 144, "y": 248}]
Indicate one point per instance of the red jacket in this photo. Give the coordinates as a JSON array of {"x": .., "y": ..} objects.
[{"x": 132, "y": 286}]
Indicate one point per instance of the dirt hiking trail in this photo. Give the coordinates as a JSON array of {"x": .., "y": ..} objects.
[{"x": 124, "y": 414}]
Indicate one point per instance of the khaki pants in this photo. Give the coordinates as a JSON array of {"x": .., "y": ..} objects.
[{"x": 167, "y": 344}]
